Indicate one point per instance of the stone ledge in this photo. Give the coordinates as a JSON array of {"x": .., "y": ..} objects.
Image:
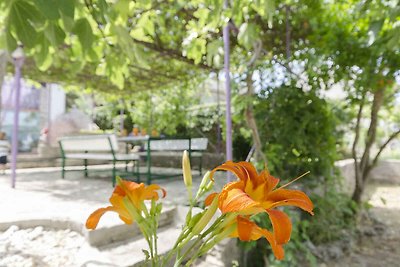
[
  {"x": 111, "y": 231},
  {"x": 111, "y": 228}
]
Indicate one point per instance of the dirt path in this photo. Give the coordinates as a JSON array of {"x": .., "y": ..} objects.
[{"x": 378, "y": 245}]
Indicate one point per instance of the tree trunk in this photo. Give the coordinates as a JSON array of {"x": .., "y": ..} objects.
[
  {"x": 365, "y": 166},
  {"x": 251, "y": 121},
  {"x": 3, "y": 61},
  {"x": 358, "y": 192},
  {"x": 357, "y": 172}
]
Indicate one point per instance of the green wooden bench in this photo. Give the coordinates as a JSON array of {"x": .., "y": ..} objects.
[
  {"x": 171, "y": 148},
  {"x": 95, "y": 147}
]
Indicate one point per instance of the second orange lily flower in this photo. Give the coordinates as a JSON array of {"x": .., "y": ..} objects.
[{"x": 126, "y": 191}]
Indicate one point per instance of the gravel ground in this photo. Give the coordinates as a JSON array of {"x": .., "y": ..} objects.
[
  {"x": 39, "y": 247},
  {"x": 378, "y": 242}
]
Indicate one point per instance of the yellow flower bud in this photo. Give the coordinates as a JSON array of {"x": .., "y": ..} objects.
[
  {"x": 187, "y": 173},
  {"x": 206, "y": 217},
  {"x": 206, "y": 177},
  {"x": 209, "y": 186}
]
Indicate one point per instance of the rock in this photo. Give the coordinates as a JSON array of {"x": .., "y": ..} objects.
[
  {"x": 9, "y": 232},
  {"x": 39, "y": 247},
  {"x": 335, "y": 252}
]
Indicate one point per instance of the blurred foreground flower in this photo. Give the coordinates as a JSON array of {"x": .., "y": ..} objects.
[{"x": 125, "y": 195}]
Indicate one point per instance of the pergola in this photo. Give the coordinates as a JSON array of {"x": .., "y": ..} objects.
[{"x": 18, "y": 60}]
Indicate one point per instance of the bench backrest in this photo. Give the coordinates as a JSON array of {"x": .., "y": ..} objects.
[
  {"x": 90, "y": 143},
  {"x": 178, "y": 144},
  {"x": 169, "y": 145},
  {"x": 199, "y": 144}
]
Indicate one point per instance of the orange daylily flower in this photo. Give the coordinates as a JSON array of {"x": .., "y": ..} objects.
[
  {"x": 136, "y": 193},
  {"x": 254, "y": 193}
]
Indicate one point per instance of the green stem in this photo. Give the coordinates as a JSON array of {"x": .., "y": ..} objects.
[
  {"x": 195, "y": 243},
  {"x": 181, "y": 237}
]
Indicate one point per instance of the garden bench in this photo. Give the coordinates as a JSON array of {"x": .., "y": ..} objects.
[
  {"x": 172, "y": 148},
  {"x": 94, "y": 147}
]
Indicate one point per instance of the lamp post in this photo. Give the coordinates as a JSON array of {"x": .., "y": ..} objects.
[
  {"x": 228, "y": 119},
  {"x": 18, "y": 57}
]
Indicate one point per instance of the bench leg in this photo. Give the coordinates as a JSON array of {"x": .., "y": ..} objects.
[
  {"x": 114, "y": 172},
  {"x": 126, "y": 166},
  {"x": 148, "y": 181},
  {"x": 63, "y": 168},
  {"x": 137, "y": 173},
  {"x": 200, "y": 166},
  {"x": 85, "y": 161}
]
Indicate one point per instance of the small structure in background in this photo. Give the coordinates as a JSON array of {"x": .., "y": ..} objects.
[
  {"x": 4, "y": 150},
  {"x": 38, "y": 108},
  {"x": 70, "y": 123}
]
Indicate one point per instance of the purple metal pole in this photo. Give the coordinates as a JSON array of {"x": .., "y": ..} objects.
[
  {"x": 219, "y": 116},
  {"x": 18, "y": 58},
  {"x": 228, "y": 118},
  {"x": 121, "y": 118}
]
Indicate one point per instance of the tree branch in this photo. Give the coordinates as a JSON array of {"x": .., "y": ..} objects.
[
  {"x": 164, "y": 51},
  {"x": 249, "y": 113},
  {"x": 382, "y": 147},
  {"x": 176, "y": 54}
]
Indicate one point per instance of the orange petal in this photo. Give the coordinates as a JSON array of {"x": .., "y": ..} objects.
[
  {"x": 281, "y": 225},
  {"x": 209, "y": 199},
  {"x": 150, "y": 192},
  {"x": 94, "y": 218},
  {"x": 131, "y": 186},
  {"x": 232, "y": 167},
  {"x": 248, "y": 230},
  {"x": 286, "y": 197},
  {"x": 236, "y": 200},
  {"x": 277, "y": 249},
  {"x": 119, "y": 191},
  {"x": 251, "y": 172},
  {"x": 257, "y": 193},
  {"x": 126, "y": 220},
  {"x": 271, "y": 181}
]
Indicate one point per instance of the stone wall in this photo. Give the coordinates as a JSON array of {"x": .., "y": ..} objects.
[{"x": 387, "y": 171}]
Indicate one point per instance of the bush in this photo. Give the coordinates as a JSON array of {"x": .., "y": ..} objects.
[{"x": 298, "y": 130}]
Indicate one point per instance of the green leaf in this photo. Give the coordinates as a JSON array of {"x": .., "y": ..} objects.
[
  {"x": 248, "y": 34},
  {"x": 84, "y": 32},
  {"x": 265, "y": 8},
  {"x": 93, "y": 56},
  {"x": 42, "y": 56},
  {"x": 146, "y": 23},
  {"x": 214, "y": 49},
  {"x": 394, "y": 41},
  {"x": 10, "y": 41},
  {"x": 49, "y": 8},
  {"x": 295, "y": 152},
  {"x": 67, "y": 22},
  {"x": 124, "y": 40},
  {"x": 146, "y": 253},
  {"x": 141, "y": 56},
  {"x": 374, "y": 29},
  {"x": 202, "y": 15},
  {"x": 22, "y": 15},
  {"x": 196, "y": 49},
  {"x": 54, "y": 34},
  {"x": 122, "y": 9},
  {"x": 67, "y": 8}
]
